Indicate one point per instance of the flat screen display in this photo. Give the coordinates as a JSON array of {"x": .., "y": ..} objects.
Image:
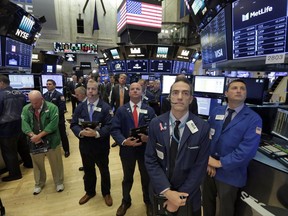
[
  {"x": 167, "y": 81},
  {"x": 213, "y": 40},
  {"x": 118, "y": 66},
  {"x": 136, "y": 52},
  {"x": 280, "y": 127},
  {"x": 137, "y": 66},
  {"x": 162, "y": 52},
  {"x": 103, "y": 70},
  {"x": 256, "y": 89},
  {"x": 180, "y": 67},
  {"x": 85, "y": 65},
  {"x": 21, "y": 81},
  {"x": 259, "y": 28},
  {"x": 75, "y": 47},
  {"x": 209, "y": 84},
  {"x": 17, "y": 54},
  {"x": 184, "y": 54},
  {"x": 56, "y": 77},
  {"x": 206, "y": 105},
  {"x": 161, "y": 66}
]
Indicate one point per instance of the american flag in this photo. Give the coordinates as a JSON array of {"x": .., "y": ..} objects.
[{"x": 140, "y": 14}]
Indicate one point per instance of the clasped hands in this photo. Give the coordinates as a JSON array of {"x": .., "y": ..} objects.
[
  {"x": 133, "y": 142},
  {"x": 175, "y": 199}
]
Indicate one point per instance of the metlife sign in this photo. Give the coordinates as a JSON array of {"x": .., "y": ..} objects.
[
  {"x": 39, "y": 8},
  {"x": 249, "y": 15}
]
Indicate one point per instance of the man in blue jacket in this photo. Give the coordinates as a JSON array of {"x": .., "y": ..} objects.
[
  {"x": 176, "y": 172},
  {"x": 132, "y": 115},
  {"x": 94, "y": 143},
  {"x": 235, "y": 132}
]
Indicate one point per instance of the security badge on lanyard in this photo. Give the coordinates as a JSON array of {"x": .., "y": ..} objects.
[{"x": 219, "y": 117}]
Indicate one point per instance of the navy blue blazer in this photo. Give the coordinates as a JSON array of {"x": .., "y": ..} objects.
[
  {"x": 123, "y": 122},
  {"x": 102, "y": 115},
  {"x": 59, "y": 100},
  {"x": 236, "y": 145},
  {"x": 115, "y": 96},
  {"x": 191, "y": 162}
]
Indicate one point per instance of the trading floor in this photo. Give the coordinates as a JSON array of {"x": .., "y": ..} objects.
[{"x": 18, "y": 199}]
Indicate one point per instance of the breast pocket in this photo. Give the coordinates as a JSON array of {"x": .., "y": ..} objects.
[{"x": 191, "y": 153}]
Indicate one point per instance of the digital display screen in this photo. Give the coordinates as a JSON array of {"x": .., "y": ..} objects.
[
  {"x": 49, "y": 68},
  {"x": 213, "y": 40},
  {"x": 118, "y": 66},
  {"x": 162, "y": 52},
  {"x": 103, "y": 70},
  {"x": 180, "y": 67},
  {"x": 280, "y": 127},
  {"x": 137, "y": 66},
  {"x": 56, "y": 77},
  {"x": 160, "y": 66},
  {"x": 17, "y": 54},
  {"x": 21, "y": 81},
  {"x": 209, "y": 84},
  {"x": 184, "y": 54},
  {"x": 134, "y": 52},
  {"x": 167, "y": 81},
  {"x": 206, "y": 105},
  {"x": 85, "y": 65},
  {"x": 259, "y": 28},
  {"x": 115, "y": 53}
]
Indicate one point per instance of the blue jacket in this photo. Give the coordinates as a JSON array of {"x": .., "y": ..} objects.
[
  {"x": 191, "y": 162},
  {"x": 103, "y": 116},
  {"x": 59, "y": 100},
  {"x": 236, "y": 145},
  {"x": 123, "y": 122}
]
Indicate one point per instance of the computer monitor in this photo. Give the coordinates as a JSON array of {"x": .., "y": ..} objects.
[
  {"x": 280, "y": 127},
  {"x": 44, "y": 90},
  {"x": 209, "y": 84},
  {"x": 58, "y": 78},
  {"x": 21, "y": 81},
  {"x": 167, "y": 81},
  {"x": 207, "y": 104}
]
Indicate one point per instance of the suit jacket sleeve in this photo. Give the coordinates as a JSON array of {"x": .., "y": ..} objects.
[{"x": 116, "y": 129}]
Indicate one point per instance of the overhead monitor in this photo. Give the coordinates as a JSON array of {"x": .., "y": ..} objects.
[
  {"x": 215, "y": 39},
  {"x": 118, "y": 66},
  {"x": 180, "y": 67},
  {"x": 58, "y": 78},
  {"x": 102, "y": 62},
  {"x": 136, "y": 52},
  {"x": 184, "y": 53},
  {"x": 167, "y": 81},
  {"x": 70, "y": 57},
  {"x": 160, "y": 66},
  {"x": 207, "y": 104},
  {"x": 75, "y": 47},
  {"x": 103, "y": 70},
  {"x": 137, "y": 66},
  {"x": 116, "y": 53},
  {"x": 162, "y": 52},
  {"x": 280, "y": 127},
  {"x": 259, "y": 28},
  {"x": 17, "y": 54},
  {"x": 21, "y": 81},
  {"x": 85, "y": 65},
  {"x": 209, "y": 84}
]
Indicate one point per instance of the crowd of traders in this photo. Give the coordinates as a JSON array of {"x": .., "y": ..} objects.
[{"x": 179, "y": 153}]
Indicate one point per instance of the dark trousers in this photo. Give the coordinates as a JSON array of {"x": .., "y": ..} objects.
[
  {"x": 24, "y": 150},
  {"x": 182, "y": 211},
  {"x": 74, "y": 101},
  {"x": 128, "y": 166},
  {"x": 227, "y": 197},
  {"x": 9, "y": 148},
  {"x": 64, "y": 138},
  {"x": 102, "y": 161}
]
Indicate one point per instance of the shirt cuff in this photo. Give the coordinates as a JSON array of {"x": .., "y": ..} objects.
[
  {"x": 123, "y": 142},
  {"x": 97, "y": 134},
  {"x": 162, "y": 192}
]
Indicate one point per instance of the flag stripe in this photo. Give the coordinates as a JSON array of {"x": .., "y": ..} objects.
[{"x": 139, "y": 13}]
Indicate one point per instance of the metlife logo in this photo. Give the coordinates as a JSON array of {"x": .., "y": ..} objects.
[{"x": 249, "y": 15}]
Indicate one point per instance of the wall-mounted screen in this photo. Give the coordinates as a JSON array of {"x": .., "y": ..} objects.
[
  {"x": 118, "y": 66},
  {"x": 85, "y": 65},
  {"x": 103, "y": 70},
  {"x": 214, "y": 41},
  {"x": 102, "y": 62},
  {"x": 162, "y": 52},
  {"x": 207, "y": 104},
  {"x": 209, "y": 84},
  {"x": 70, "y": 57},
  {"x": 259, "y": 28},
  {"x": 167, "y": 81},
  {"x": 17, "y": 54},
  {"x": 160, "y": 66},
  {"x": 115, "y": 53},
  {"x": 180, "y": 67},
  {"x": 75, "y": 47},
  {"x": 280, "y": 127},
  {"x": 56, "y": 77},
  {"x": 21, "y": 81},
  {"x": 137, "y": 66}
]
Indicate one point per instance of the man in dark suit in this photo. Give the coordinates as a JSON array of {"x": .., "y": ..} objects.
[
  {"x": 94, "y": 143},
  {"x": 71, "y": 87},
  {"x": 177, "y": 154},
  {"x": 57, "y": 98},
  {"x": 120, "y": 93},
  {"x": 132, "y": 115}
]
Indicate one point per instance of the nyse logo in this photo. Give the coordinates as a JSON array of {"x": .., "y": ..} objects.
[
  {"x": 185, "y": 52},
  {"x": 218, "y": 53},
  {"x": 262, "y": 11},
  {"x": 25, "y": 27},
  {"x": 135, "y": 50}
]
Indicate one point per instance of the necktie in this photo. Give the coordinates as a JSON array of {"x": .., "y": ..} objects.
[
  {"x": 174, "y": 147},
  {"x": 37, "y": 114},
  {"x": 49, "y": 94},
  {"x": 228, "y": 118},
  {"x": 91, "y": 111},
  {"x": 135, "y": 116},
  {"x": 121, "y": 96}
]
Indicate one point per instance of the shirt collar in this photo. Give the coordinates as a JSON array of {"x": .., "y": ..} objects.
[
  {"x": 95, "y": 102},
  {"x": 182, "y": 119},
  {"x": 132, "y": 104},
  {"x": 237, "y": 109}
]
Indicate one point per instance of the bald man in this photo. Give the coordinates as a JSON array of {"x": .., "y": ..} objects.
[{"x": 40, "y": 123}]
